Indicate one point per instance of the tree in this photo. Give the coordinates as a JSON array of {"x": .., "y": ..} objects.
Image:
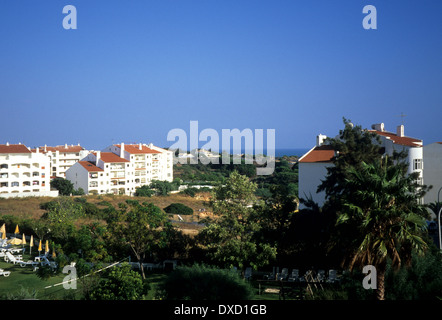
[
  {"x": 231, "y": 238},
  {"x": 144, "y": 191},
  {"x": 201, "y": 282},
  {"x": 353, "y": 147},
  {"x": 178, "y": 208},
  {"x": 142, "y": 227},
  {"x": 64, "y": 187},
  {"x": 386, "y": 211},
  {"x": 118, "y": 283}
]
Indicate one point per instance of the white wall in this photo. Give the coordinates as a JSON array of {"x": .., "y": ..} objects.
[
  {"x": 310, "y": 176},
  {"x": 433, "y": 171},
  {"x": 78, "y": 175}
]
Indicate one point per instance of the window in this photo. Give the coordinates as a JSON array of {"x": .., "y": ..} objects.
[{"x": 418, "y": 164}]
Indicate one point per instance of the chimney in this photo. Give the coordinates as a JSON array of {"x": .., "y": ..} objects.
[
  {"x": 37, "y": 150},
  {"x": 378, "y": 127},
  {"x": 65, "y": 145},
  {"x": 140, "y": 146},
  {"x": 98, "y": 157},
  {"x": 7, "y": 144},
  {"x": 320, "y": 139},
  {"x": 122, "y": 150},
  {"x": 400, "y": 131},
  {"x": 45, "y": 148}
]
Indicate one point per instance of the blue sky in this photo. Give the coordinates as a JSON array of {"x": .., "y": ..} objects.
[{"x": 134, "y": 70}]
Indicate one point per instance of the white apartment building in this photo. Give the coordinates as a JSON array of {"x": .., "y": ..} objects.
[
  {"x": 62, "y": 157},
  {"x": 120, "y": 169},
  {"x": 24, "y": 173},
  {"x": 313, "y": 165}
]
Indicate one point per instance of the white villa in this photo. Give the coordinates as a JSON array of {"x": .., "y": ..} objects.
[
  {"x": 24, "y": 173},
  {"x": 313, "y": 165},
  {"x": 120, "y": 169}
]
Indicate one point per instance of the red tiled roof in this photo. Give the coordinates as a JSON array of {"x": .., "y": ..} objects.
[
  {"x": 323, "y": 153},
  {"x": 14, "y": 148},
  {"x": 135, "y": 149},
  {"x": 89, "y": 166},
  {"x": 60, "y": 149},
  {"x": 110, "y": 157},
  {"x": 404, "y": 141}
]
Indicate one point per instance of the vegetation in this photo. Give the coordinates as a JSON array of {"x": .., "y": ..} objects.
[
  {"x": 372, "y": 215},
  {"x": 200, "y": 282},
  {"x": 178, "y": 208}
]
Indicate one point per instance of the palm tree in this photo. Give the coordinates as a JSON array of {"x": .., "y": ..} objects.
[{"x": 384, "y": 206}]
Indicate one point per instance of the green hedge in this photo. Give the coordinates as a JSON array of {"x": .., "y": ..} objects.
[{"x": 178, "y": 208}]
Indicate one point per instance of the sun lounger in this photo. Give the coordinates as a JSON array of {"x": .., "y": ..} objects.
[
  {"x": 14, "y": 259},
  {"x": 5, "y": 273},
  {"x": 28, "y": 263}
]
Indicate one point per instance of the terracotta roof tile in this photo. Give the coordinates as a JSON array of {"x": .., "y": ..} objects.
[
  {"x": 404, "y": 141},
  {"x": 14, "y": 148},
  {"x": 324, "y": 153},
  {"x": 135, "y": 149},
  {"x": 110, "y": 157},
  {"x": 59, "y": 149},
  {"x": 89, "y": 166}
]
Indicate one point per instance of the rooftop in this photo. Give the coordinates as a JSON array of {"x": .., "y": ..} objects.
[
  {"x": 64, "y": 148},
  {"x": 14, "y": 148},
  {"x": 324, "y": 153},
  {"x": 400, "y": 140},
  {"x": 89, "y": 166},
  {"x": 137, "y": 149},
  {"x": 110, "y": 157}
]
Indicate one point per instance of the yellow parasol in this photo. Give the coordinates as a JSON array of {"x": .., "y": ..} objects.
[
  {"x": 14, "y": 241},
  {"x": 16, "y": 230},
  {"x": 53, "y": 253},
  {"x": 31, "y": 243},
  {"x": 39, "y": 246},
  {"x": 23, "y": 241},
  {"x": 3, "y": 231},
  {"x": 47, "y": 246}
]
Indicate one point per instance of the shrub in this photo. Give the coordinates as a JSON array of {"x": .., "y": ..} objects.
[
  {"x": 178, "y": 208},
  {"x": 201, "y": 282}
]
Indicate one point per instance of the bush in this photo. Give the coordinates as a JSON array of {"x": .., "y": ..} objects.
[
  {"x": 201, "y": 282},
  {"x": 178, "y": 208},
  {"x": 144, "y": 191}
]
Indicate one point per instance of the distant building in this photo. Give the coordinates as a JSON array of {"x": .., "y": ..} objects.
[
  {"x": 24, "y": 173},
  {"x": 121, "y": 169},
  {"x": 433, "y": 171},
  {"x": 313, "y": 165},
  {"x": 62, "y": 157}
]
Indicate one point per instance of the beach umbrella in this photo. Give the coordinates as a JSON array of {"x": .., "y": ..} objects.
[
  {"x": 14, "y": 241},
  {"x": 31, "y": 243},
  {"x": 53, "y": 253},
  {"x": 47, "y": 247},
  {"x": 39, "y": 247},
  {"x": 23, "y": 241},
  {"x": 3, "y": 231},
  {"x": 16, "y": 230}
]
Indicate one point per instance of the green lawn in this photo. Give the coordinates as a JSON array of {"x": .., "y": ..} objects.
[{"x": 24, "y": 279}]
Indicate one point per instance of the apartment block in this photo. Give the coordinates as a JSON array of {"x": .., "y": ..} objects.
[
  {"x": 120, "y": 169},
  {"x": 23, "y": 172},
  {"x": 62, "y": 157}
]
